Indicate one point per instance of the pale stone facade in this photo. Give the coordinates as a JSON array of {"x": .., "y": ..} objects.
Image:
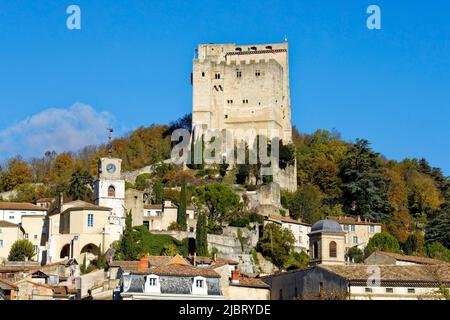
[
  {"x": 35, "y": 228},
  {"x": 326, "y": 243},
  {"x": 300, "y": 230},
  {"x": 358, "y": 231},
  {"x": 9, "y": 233},
  {"x": 109, "y": 189},
  {"x": 244, "y": 90},
  {"x": 242, "y": 87},
  {"x": 159, "y": 217}
]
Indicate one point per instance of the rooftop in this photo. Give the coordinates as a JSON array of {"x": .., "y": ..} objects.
[
  {"x": 413, "y": 259},
  {"x": 179, "y": 270},
  {"x": 20, "y": 206},
  {"x": 6, "y": 224},
  {"x": 424, "y": 273},
  {"x": 352, "y": 220},
  {"x": 286, "y": 220},
  {"x": 326, "y": 226}
]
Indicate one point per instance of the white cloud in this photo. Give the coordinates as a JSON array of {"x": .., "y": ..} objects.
[{"x": 55, "y": 129}]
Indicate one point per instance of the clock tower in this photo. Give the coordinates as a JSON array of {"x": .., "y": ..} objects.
[{"x": 109, "y": 190}]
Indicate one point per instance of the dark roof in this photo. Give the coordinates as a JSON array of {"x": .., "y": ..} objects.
[
  {"x": 6, "y": 224},
  {"x": 20, "y": 206},
  {"x": 413, "y": 259},
  {"x": 326, "y": 226}
]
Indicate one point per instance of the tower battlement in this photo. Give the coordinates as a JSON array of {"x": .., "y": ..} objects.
[{"x": 242, "y": 87}]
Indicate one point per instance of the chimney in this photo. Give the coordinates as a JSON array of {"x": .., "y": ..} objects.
[
  {"x": 235, "y": 276},
  {"x": 143, "y": 263},
  {"x": 215, "y": 257},
  {"x": 359, "y": 218},
  {"x": 195, "y": 259}
]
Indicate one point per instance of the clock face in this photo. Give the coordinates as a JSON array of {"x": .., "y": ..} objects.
[{"x": 111, "y": 168}]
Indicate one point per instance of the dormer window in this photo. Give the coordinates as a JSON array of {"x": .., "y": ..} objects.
[
  {"x": 152, "y": 282},
  {"x": 199, "y": 283}
]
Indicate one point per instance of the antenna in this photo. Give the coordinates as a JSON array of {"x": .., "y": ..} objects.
[{"x": 110, "y": 132}]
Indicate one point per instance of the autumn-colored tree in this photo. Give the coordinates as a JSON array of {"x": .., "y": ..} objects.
[{"x": 19, "y": 172}]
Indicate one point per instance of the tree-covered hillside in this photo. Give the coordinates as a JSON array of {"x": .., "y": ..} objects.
[{"x": 335, "y": 177}]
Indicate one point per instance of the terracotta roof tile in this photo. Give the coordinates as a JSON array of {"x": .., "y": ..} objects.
[
  {"x": 178, "y": 270},
  {"x": 414, "y": 259},
  {"x": 251, "y": 282},
  {"x": 351, "y": 220},
  {"x": 20, "y": 206},
  {"x": 6, "y": 224},
  {"x": 286, "y": 220},
  {"x": 393, "y": 272}
]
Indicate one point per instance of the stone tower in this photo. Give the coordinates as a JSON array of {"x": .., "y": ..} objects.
[
  {"x": 109, "y": 189},
  {"x": 242, "y": 87},
  {"x": 327, "y": 243}
]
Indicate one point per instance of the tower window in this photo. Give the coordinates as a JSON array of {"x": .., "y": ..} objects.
[
  {"x": 253, "y": 48},
  {"x": 257, "y": 73},
  {"x": 203, "y": 74},
  {"x": 238, "y": 74},
  {"x": 90, "y": 220},
  {"x": 245, "y": 101},
  {"x": 333, "y": 249},
  {"x": 269, "y": 47},
  {"x": 315, "y": 250},
  {"x": 226, "y": 116},
  {"x": 217, "y": 75},
  {"x": 111, "y": 192}
]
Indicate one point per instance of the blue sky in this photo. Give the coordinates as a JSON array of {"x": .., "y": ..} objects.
[{"x": 130, "y": 64}]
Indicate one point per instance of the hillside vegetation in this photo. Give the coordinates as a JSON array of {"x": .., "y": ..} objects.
[{"x": 335, "y": 177}]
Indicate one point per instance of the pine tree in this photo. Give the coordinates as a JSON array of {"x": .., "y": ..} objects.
[
  {"x": 128, "y": 244},
  {"x": 365, "y": 189},
  {"x": 201, "y": 237},
  {"x": 181, "y": 217}
]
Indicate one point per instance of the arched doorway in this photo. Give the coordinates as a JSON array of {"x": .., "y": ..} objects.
[
  {"x": 91, "y": 251},
  {"x": 65, "y": 252}
]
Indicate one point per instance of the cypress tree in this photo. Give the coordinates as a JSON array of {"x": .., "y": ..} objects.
[
  {"x": 201, "y": 237},
  {"x": 181, "y": 217}
]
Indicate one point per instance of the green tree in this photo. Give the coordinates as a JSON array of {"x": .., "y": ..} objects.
[
  {"x": 297, "y": 260},
  {"x": 276, "y": 243},
  {"x": 21, "y": 250},
  {"x": 158, "y": 191},
  {"x": 201, "y": 236},
  {"x": 355, "y": 254},
  {"x": 220, "y": 200},
  {"x": 170, "y": 249},
  {"x": 81, "y": 184},
  {"x": 383, "y": 241},
  {"x": 414, "y": 244},
  {"x": 436, "y": 250},
  {"x": 181, "y": 216},
  {"x": 305, "y": 203},
  {"x": 129, "y": 246},
  {"x": 438, "y": 228},
  {"x": 365, "y": 189},
  {"x": 84, "y": 267}
]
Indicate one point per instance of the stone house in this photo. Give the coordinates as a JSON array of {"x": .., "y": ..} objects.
[
  {"x": 175, "y": 280},
  {"x": 299, "y": 229},
  {"x": 358, "y": 230},
  {"x": 9, "y": 233}
]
